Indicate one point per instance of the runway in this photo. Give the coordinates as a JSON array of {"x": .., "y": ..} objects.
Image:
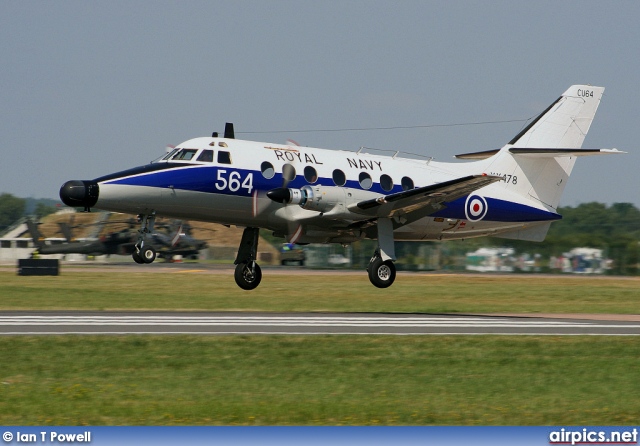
[{"x": 226, "y": 323}]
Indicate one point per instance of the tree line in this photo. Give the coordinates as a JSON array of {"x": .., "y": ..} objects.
[
  {"x": 615, "y": 229},
  {"x": 13, "y": 209}
]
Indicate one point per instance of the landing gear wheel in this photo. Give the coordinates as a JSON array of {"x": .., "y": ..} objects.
[
  {"x": 136, "y": 257},
  {"x": 381, "y": 274},
  {"x": 248, "y": 275},
  {"x": 148, "y": 254}
]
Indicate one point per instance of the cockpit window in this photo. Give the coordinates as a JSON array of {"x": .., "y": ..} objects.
[
  {"x": 224, "y": 157},
  {"x": 165, "y": 157},
  {"x": 184, "y": 155},
  {"x": 206, "y": 156},
  {"x": 170, "y": 154}
]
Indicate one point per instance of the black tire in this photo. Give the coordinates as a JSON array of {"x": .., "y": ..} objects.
[
  {"x": 371, "y": 263},
  {"x": 382, "y": 274},
  {"x": 148, "y": 254},
  {"x": 136, "y": 257},
  {"x": 247, "y": 279}
]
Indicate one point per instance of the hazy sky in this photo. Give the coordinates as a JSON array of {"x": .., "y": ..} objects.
[{"x": 89, "y": 88}]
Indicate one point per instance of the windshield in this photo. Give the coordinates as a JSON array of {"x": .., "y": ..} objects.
[
  {"x": 165, "y": 157},
  {"x": 184, "y": 155}
]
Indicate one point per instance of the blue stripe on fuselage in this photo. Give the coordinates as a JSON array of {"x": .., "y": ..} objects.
[
  {"x": 203, "y": 178},
  {"x": 498, "y": 210}
]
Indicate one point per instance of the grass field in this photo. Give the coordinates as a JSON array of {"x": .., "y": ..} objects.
[
  {"x": 184, "y": 290},
  {"x": 319, "y": 380}
]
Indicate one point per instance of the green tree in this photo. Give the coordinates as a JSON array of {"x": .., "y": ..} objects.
[
  {"x": 614, "y": 229},
  {"x": 11, "y": 209},
  {"x": 42, "y": 210}
]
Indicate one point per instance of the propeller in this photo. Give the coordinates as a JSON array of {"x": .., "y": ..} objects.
[
  {"x": 282, "y": 194},
  {"x": 288, "y": 174}
]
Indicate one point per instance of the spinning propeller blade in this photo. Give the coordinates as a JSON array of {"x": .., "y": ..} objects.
[{"x": 282, "y": 194}]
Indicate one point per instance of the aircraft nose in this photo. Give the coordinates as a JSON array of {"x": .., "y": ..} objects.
[{"x": 80, "y": 193}]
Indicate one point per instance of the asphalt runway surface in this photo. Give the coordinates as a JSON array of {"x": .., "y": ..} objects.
[{"x": 226, "y": 323}]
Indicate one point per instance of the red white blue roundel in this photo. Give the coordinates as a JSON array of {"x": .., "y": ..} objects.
[{"x": 475, "y": 208}]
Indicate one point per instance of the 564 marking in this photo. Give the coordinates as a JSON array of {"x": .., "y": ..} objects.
[{"x": 233, "y": 181}]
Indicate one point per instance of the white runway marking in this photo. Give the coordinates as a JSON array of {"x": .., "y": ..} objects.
[{"x": 305, "y": 324}]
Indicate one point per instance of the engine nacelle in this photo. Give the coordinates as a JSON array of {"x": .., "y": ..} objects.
[
  {"x": 322, "y": 198},
  {"x": 328, "y": 200}
]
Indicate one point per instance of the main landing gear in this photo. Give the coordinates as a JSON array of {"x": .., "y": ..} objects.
[
  {"x": 382, "y": 271},
  {"x": 144, "y": 253},
  {"x": 248, "y": 273}
]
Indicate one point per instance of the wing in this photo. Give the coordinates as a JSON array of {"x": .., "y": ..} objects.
[{"x": 414, "y": 199}]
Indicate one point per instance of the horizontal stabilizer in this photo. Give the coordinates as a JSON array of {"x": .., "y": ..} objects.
[
  {"x": 554, "y": 153},
  {"x": 546, "y": 153},
  {"x": 411, "y": 200}
]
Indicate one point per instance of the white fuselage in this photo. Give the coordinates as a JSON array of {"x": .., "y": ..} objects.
[{"x": 229, "y": 186}]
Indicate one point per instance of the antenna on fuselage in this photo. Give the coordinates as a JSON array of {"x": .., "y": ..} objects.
[{"x": 228, "y": 131}]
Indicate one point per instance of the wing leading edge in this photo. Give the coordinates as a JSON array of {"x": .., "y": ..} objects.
[{"x": 414, "y": 199}]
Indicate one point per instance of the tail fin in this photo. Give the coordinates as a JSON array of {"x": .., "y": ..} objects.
[
  {"x": 538, "y": 160},
  {"x": 565, "y": 123},
  {"x": 36, "y": 236}
]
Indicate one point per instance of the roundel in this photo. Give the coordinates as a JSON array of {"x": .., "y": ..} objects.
[{"x": 475, "y": 208}]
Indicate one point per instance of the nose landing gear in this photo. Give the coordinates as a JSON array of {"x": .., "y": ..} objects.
[
  {"x": 144, "y": 253},
  {"x": 248, "y": 273}
]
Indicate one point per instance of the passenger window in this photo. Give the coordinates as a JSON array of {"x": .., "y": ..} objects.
[
  {"x": 267, "y": 170},
  {"x": 407, "y": 183},
  {"x": 224, "y": 157},
  {"x": 386, "y": 182},
  {"x": 365, "y": 180},
  {"x": 288, "y": 172},
  {"x": 339, "y": 178},
  {"x": 206, "y": 156},
  {"x": 310, "y": 174}
]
